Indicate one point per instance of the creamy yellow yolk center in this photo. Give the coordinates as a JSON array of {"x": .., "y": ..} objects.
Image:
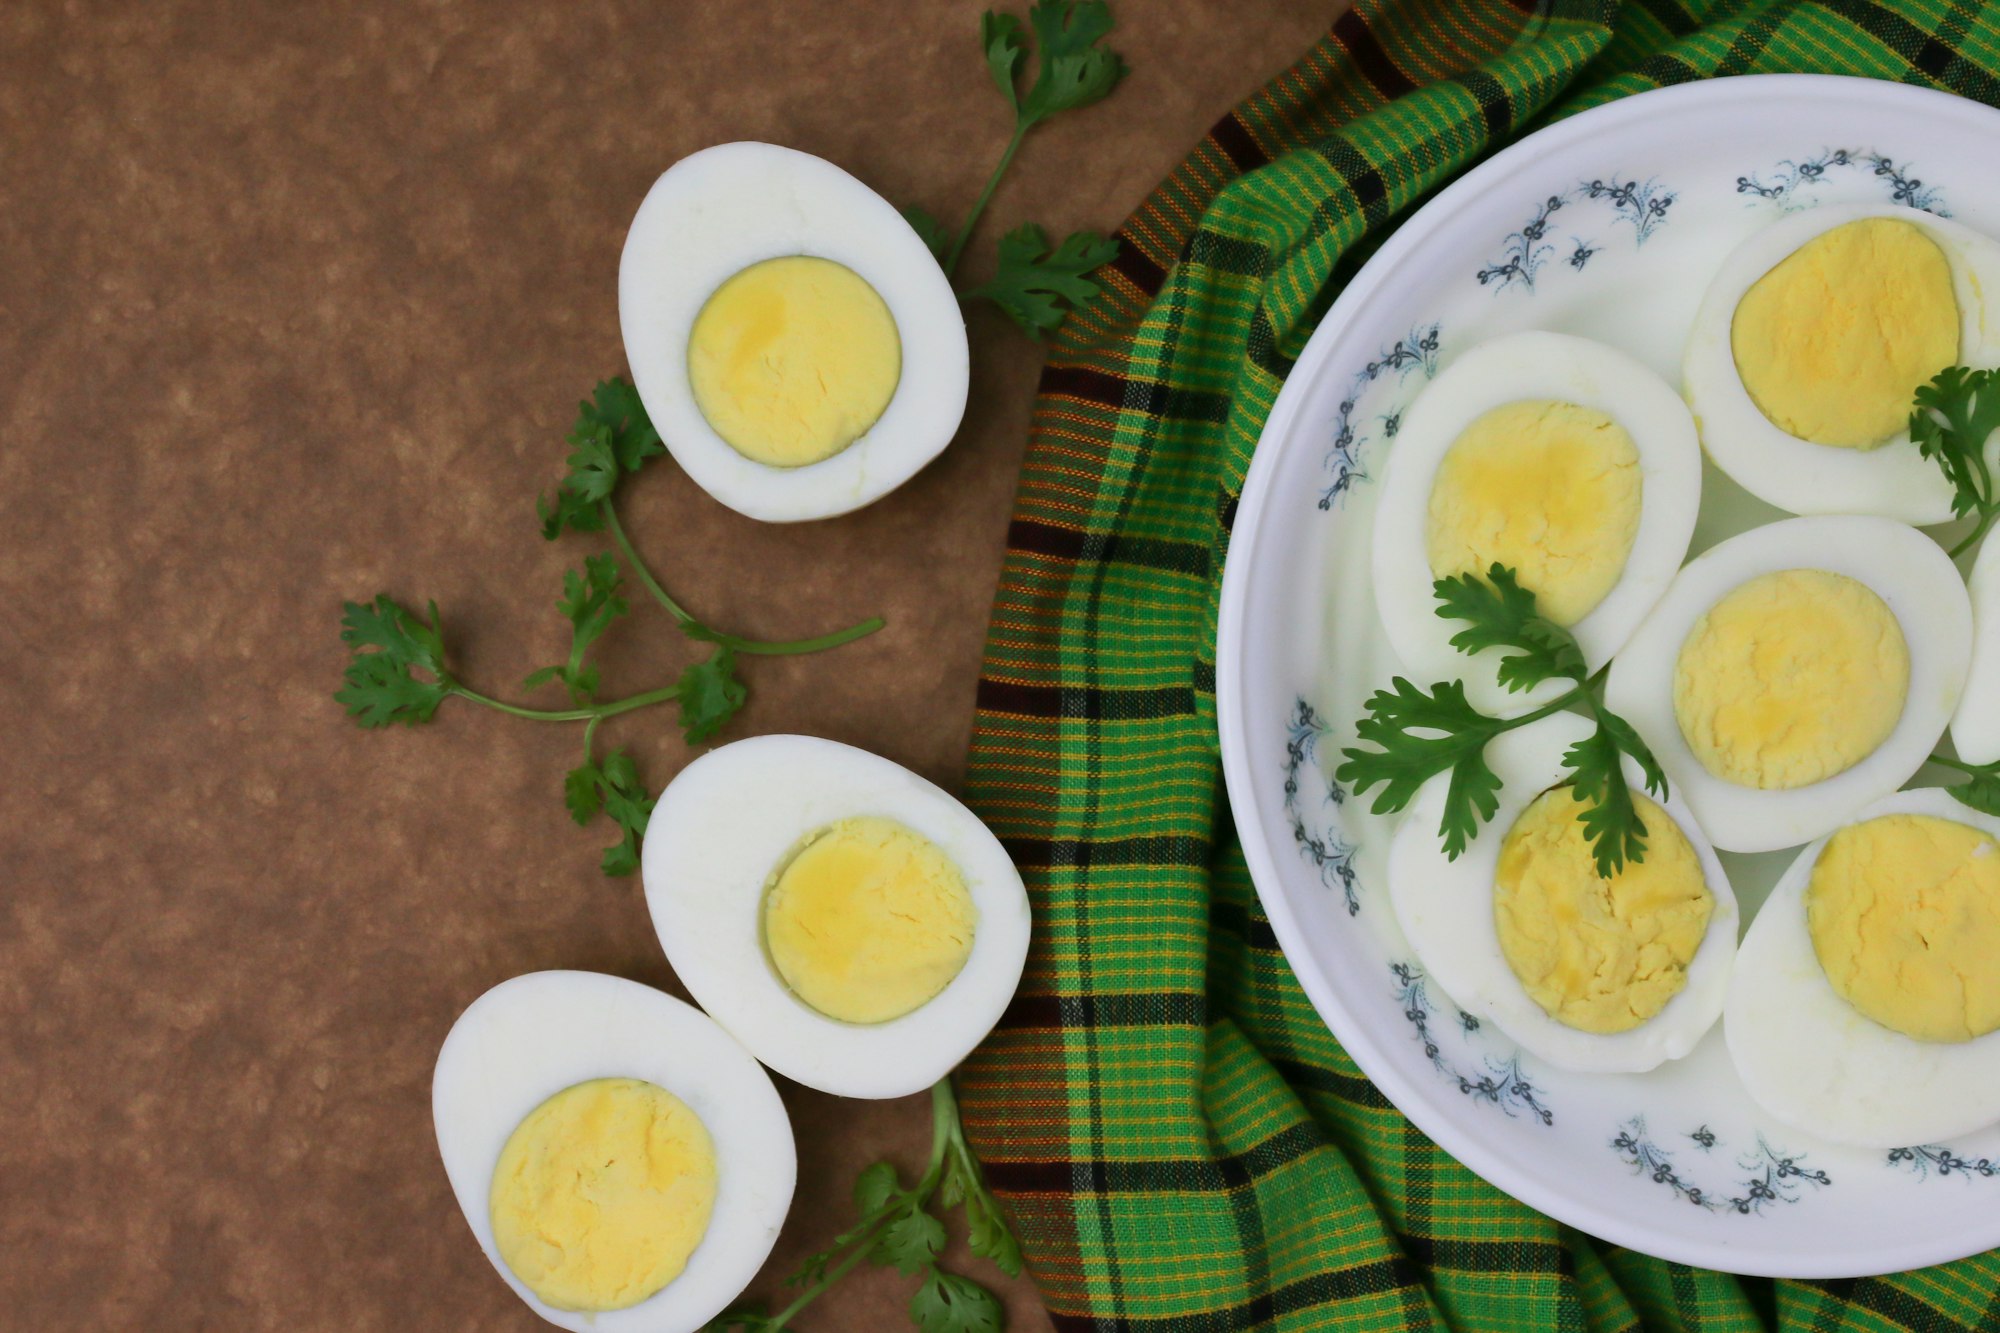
[
  {"x": 1792, "y": 677},
  {"x": 602, "y": 1193},
  {"x": 1904, "y": 912},
  {"x": 794, "y": 359},
  {"x": 868, "y": 920},
  {"x": 1550, "y": 490},
  {"x": 1833, "y": 342},
  {"x": 1598, "y": 955}
]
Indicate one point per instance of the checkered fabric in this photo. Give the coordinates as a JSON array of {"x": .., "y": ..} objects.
[{"x": 1184, "y": 1146}]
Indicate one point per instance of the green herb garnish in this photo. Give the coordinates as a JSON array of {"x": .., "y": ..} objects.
[
  {"x": 1419, "y": 734},
  {"x": 397, "y": 670},
  {"x": 900, "y": 1230},
  {"x": 1036, "y": 285},
  {"x": 1951, "y": 420}
]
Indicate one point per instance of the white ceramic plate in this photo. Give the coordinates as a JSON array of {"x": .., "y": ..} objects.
[{"x": 1605, "y": 225}]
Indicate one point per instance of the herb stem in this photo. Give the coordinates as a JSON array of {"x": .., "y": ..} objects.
[
  {"x": 950, "y": 265},
  {"x": 1986, "y": 516},
  {"x": 862, "y": 1244},
  {"x": 593, "y": 714},
  {"x": 686, "y": 618}
]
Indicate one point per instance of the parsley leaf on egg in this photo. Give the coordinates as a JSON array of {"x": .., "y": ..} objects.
[
  {"x": 1981, "y": 789},
  {"x": 1951, "y": 421},
  {"x": 1036, "y": 286},
  {"x": 1417, "y": 734}
]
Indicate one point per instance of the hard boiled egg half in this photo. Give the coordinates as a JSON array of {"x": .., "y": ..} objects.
[
  {"x": 1563, "y": 459},
  {"x": 1811, "y": 342},
  {"x": 852, "y": 924},
  {"x": 793, "y": 339},
  {"x": 1591, "y": 974},
  {"x": 621, "y": 1159},
  {"x": 1796, "y": 672},
  {"x": 1866, "y": 1003}
]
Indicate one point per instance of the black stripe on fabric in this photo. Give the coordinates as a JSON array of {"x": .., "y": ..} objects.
[
  {"x": 1667, "y": 71},
  {"x": 1262, "y": 347},
  {"x": 1892, "y": 1303},
  {"x": 1363, "y": 179},
  {"x": 1122, "y": 1009},
  {"x": 1908, "y": 40},
  {"x": 1347, "y": 1087},
  {"x": 1253, "y": 929},
  {"x": 1344, "y": 1284},
  {"x": 1488, "y": 1256},
  {"x": 1351, "y": 30},
  {"x": 1225, "y": 510},
  {"x": 1232, "y": 136},
  {"x": 1086, "y": 702},
  {"x": 1135, "y": 395},
  {"x": 1166, "y": 849},
  {"x": 1496, "y": 109},
  {"x": 1204, "y": 676},
  {"x": 1138, "y": 270},
  {"x": 1234, "y": 1171},
  {"x": 1240, "y": 258},
  {"x": 1671, "y": 15},
  {"x": 1051, "y": 539}
]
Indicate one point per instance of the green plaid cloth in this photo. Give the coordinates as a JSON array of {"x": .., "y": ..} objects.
[{"x": 1183, "y": 1144}]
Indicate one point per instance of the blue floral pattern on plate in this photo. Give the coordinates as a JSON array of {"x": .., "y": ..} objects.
[
  {"x": 1791, "y": 183},
  {"x": 1770, "y": 1175},
  {"x": 1416, "y": 351},
  {"x": 1641, "y": 205}
]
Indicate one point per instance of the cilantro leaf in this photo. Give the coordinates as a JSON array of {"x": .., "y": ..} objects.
[
  {"x": 612, "y": 787},
  {"x": 1036, "y": 286},
  {"x": 989, "y": 1234},
  {"x": 1982, "y": 793},
  {"x": 1611, "y": 821},
  {"x": 612, "y": 436},
  {"x": 1500, "y": 613},
  {"x": 1071, "y": 69},
  {"x": 933, "y": 232},
  {"x": 710, "y": 694},
  {"x": 590, "y": 602},
  {"x": 1006, "y": 44},
  {"x": 1407, "y": 759},
  {"x": 1952, "y": 418},
  {"x": 391, "y": 646},
  {"x": 910, "y": 1244},
  {"x": 875, "y": 1187},
  {"x": 948, "y": 1303}
]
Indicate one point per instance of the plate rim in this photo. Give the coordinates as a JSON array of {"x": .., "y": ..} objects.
[{"x": 1368, "y": 1048}]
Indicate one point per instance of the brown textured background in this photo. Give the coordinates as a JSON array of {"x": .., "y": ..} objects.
[{"x": 295, "y": 302}]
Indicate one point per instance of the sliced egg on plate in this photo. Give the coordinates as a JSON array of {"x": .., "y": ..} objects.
[
  {"x": 1811, "y": 342},
  {"x": 1975, "y": 729},
  {"x": 1866, "y": 1003},
  {"x": 793, "y": 339},
  {"x": 1796, "y": 672},
  {"x": 852, "y": 924},
  {"x": 622, "y": 1160},
  {"x": 1562, "y": 459},
  {"x": 1590, "y": 974}
]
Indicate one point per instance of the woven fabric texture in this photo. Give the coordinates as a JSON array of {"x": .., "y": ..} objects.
[{"x": 1184, "y": 1145}]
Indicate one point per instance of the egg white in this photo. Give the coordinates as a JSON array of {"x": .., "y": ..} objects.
[
  {"x": 1975, "y": 728},
  {"x": 728, "y": 821},
  {"x": 1906, "y": 569},
  {"x": 1509, "y": 369},
  {"x": 529, "y": 1038},
  {"x": 1818, "y": 1064},
  {"x": 1445, "y": 908},
  {"x": 1893, "y": 480},
  {"x": 715, "y": 213}
]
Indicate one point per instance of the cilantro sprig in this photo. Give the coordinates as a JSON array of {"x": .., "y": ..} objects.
[
  {"x": 1036, "y": 284},
  {"x": 398, "y": 671},
  {"x": 899, "y": 1228},
  {"x": 1951, "y": 420},
  {"x": 1420, "y": 734}
]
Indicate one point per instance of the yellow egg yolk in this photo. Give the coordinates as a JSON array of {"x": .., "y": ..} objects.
[
  {"x": 794, "y": 359},
  {"x": 1550, "y": 490},
  {"x": 1599, "y": 955},
  {"x": 602, "y": 1193},
  {"x": 1833, "y": 343},
  {"x": 1792, "y": 677},
  {"x": 868, "y": 920},
  {"x": 1904, "y": 912}
]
